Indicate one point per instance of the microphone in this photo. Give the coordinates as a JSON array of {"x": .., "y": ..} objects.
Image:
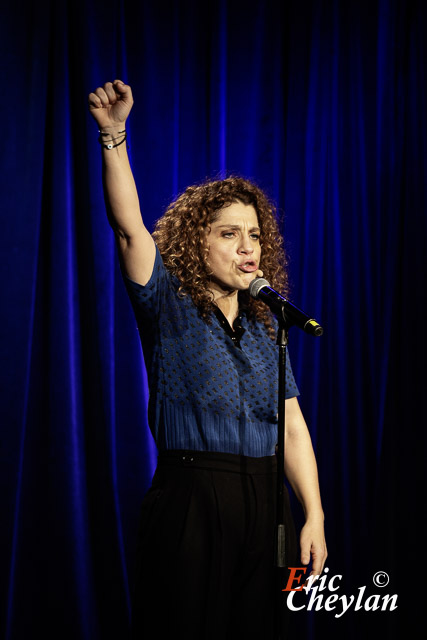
[{"x": 260, "y": 290}]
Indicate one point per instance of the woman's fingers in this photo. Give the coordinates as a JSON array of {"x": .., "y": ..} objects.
[
  {"x": 319, "y": 558},
  {"x": 119, "y": 86},
  {"x": 104, "y": 96},
  {"x": 110, "y": 93},
  {"x": 111, "y": 103},
  {"x": 94, "y": 101},
  {"x": 123, "y": 92},
  {"x": 100, "y": 93}
]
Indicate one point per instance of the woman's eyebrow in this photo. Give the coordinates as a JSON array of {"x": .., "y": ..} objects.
[{"x": 235, "y": 226}]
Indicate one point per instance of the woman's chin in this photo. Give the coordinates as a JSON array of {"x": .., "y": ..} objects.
[{"x": 248, "y": 277}]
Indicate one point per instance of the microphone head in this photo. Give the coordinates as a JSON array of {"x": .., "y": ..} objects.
[{"x": 256, "y": 285}]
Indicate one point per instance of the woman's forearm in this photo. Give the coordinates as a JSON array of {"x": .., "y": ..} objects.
[
  {"x": 301, "y": 471},
  {"x": 121, "y": 196},
  {"x": 300, "y": 462}
]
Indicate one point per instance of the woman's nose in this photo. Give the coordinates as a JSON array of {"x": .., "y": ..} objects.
[{"x": 246, "y": 246}]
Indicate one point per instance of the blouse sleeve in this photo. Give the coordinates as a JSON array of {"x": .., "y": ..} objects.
[{"x": 147, "y": 299}]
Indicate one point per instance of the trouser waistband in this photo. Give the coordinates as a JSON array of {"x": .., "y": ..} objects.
[{"x": 181, "y": 458}]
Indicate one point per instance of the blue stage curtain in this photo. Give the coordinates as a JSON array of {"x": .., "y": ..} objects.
[{"x": 324, "y": 105}]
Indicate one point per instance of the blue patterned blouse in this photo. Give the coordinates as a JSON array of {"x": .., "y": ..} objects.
[{"x": 208, "y": 392}]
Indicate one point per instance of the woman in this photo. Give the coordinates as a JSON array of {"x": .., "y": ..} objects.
[{"x": 206, "y": 541}]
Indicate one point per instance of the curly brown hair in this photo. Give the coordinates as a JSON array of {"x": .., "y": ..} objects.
[{"x": 180, "y": 235}]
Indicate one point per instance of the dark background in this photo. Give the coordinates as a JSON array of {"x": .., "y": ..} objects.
[{"x": 324, "y": 105}]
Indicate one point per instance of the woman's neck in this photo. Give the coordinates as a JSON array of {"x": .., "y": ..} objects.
[{"x": 227, "y": 302}]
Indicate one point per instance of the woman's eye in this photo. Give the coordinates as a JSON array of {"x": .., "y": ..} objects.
[{"x": 231, "y": 234}]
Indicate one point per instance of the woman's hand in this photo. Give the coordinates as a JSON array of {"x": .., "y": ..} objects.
[
  {"x": 110, "y": 105},
  {"x": 313, "y": 546}
]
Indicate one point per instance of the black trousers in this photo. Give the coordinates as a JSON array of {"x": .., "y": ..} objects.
[{"x": 205, "y": 558}]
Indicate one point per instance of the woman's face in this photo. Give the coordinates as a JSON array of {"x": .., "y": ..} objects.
[{"x": 234, "y": 248}]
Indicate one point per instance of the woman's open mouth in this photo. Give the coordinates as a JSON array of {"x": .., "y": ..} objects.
[{"x": 248, "y": 267}]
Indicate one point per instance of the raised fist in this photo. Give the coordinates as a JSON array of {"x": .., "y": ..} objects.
[{"x": 110, "y": 105}]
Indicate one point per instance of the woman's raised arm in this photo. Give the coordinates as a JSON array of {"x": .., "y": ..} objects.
[{"x": 110, "y": 105}]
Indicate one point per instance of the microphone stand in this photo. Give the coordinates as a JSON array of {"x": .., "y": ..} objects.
[
  {"x": 287, "y": 315},
  {"x": 280, "y": 559}
]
